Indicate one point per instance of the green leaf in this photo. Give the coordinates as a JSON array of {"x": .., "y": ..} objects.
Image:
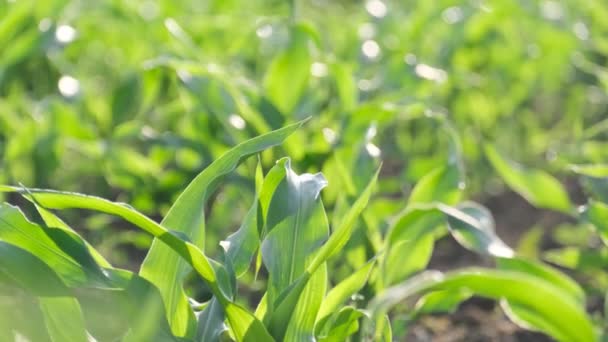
[
  {"x": 245, "y": 326},
  {"x": 344, "y": 231},
  {"x": 472, "y": 226},
  {"x": 441, "y": 301},
  {"x": 344, "y": 325},
  {"x": 162, "y": 265},
  {"x": 186, "y": 250},
  {"x": 75, "y": 267},
  {"x": 211, "y": 323},
  {"x": 242, "y": 246},
  {"x": 341, "y": 293},
  {"x": 547, "y": 273},
  {"x": 537, "y": 295},
  {"x": 410, "y": 242},
  {"x": 288, "y": 73},
  {"x": 26, "y": 271},
  {"x": 63, "y": 319},
  {"x": 440, "y": 185},
  {"x": 536, "y": 186},
  {"x": 295, "y": 225}
]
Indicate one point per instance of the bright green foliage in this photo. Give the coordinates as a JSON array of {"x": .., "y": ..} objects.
[
  {"x": 130, "y": 100},
  {"x": 289, "y": 223}
]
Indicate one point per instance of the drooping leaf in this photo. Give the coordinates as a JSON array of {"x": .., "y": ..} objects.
[
  {"x": 75, "y": 267},
  {"x": 545, "y": 300},
  {"x": 545, "y": 272},
  {"x": 441, "y": 301},
  {"x": 536, "y": 186},
  {"x": 472, "y": 225}
]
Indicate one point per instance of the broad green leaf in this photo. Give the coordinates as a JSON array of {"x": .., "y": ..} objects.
[
  {"x": 537, "y": 295},
  {"x": 341, "y": 293},
  {"x": 50, "y": 244},
  {"x": 162, "y": 266},
  {"x": 344, "y": 325},
  {"x": 186, "y": 250},
  {"x": 27, "y": 272},
  {"x": 536, "y": 186},
  {"x": 440, "y": 185},
  {"x": 288, "y": 73},
  {"x": 472, "y": 226},
  {"x": 63, "y": 319},
  {"x": 596, "y": 213},
  {"x": 295, "y": 225}
]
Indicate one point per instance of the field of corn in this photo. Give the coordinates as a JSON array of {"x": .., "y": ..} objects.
[{"x": 304, "y": 170}]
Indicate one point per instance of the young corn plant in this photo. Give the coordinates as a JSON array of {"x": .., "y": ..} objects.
[{"x": 54, "y": 286}]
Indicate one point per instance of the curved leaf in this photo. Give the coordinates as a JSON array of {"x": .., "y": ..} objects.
[
  {"x": 520, "y": 289},
  {"x": 536, "y": 186}
]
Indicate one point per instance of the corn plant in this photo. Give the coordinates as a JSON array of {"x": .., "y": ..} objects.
[{"x": 54, "y": 286}]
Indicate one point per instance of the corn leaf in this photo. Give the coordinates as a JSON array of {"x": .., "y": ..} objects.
[{"x": 536, "y": 186}]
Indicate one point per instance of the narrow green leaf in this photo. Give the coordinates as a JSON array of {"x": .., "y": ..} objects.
[
  {"x": 343, "y": 232},
  {"x": 536, "y": 186},
  {"x": 342, "y": 292}
]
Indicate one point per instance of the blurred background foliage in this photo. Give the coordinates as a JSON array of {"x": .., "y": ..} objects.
[{"x": 129, "y": 100}]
